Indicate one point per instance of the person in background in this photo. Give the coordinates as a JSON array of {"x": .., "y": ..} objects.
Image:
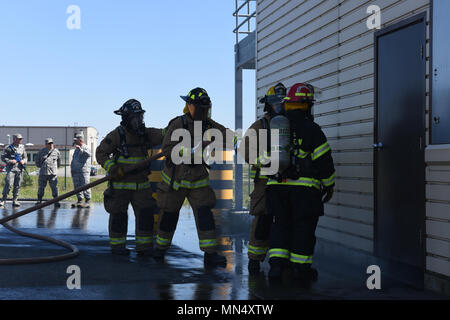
[
  {"x": 48, "y": 160},
  {"x": 15, "y": 158},
  {"x": 80, "y": 168}
]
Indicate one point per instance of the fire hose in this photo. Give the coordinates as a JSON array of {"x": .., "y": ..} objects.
[{"x": 74, "y": 250}]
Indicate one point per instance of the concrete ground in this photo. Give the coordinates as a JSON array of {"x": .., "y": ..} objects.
[{"x": 181, "y": 276}]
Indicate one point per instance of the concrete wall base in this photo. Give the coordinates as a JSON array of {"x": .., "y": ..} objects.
[
  {"x": 391, "y": 270},
  {"x": 437, "y": 283}
]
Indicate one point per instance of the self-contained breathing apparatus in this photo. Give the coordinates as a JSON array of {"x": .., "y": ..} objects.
[
  {"x": 284, "y": 119},
  {"x": 202, "y": 103},
  {"x": 132, "y": 119}
]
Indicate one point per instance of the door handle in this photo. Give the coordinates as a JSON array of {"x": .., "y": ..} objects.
[{"x": 378, "y": 145}]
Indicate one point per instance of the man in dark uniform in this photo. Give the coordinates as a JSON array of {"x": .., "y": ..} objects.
[{"x": 296, "y": 195}]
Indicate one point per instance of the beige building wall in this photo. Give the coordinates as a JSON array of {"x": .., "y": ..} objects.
[{"x": 327, "y": 43}]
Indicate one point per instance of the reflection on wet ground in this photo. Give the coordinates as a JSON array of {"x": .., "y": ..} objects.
[{"x": 181, "y": 276}]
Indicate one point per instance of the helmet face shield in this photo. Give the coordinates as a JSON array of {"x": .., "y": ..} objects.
[
  {"x": 202, "y": 108},
  {"x": 135, "y": 122},
  {"x": 276, "y": 103},
  {"x": 280, "y": 90}
]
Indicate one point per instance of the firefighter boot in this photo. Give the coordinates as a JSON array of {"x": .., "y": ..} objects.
[
  {"x": 87, "y": 203},
  {"x": 277, "y": 265},
  {"x": 120, "y": 251},
  {"x": 304, "y": 274},
  {"x": 253, "y": 267},
  {"x": 39, "y": 201},
  {"x": 214, "y": 259},
  {"x": 145, "y": 253},
  {"x": 159, "y": 254}
]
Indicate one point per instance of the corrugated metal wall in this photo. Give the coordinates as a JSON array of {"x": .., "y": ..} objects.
[{"x": 327, "y": 43}]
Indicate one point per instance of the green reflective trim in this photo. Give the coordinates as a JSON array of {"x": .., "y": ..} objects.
[
  {"x": 265, "y": 157},
  {"x": 257, "y": 250},
  {"x": 253, "y": 175},
  {"x": 108, "y": 164},
  {"x": 115, "y": 241},
  {"x": 302, "y": 181},
  {"x": 130, "y": 160},
  {"x": 320, "y": 151},
  {"x": 298, "y": 258},
  {"x": 144, "y": 239},
  {"x": 329, "y": 181},
  {"x": 131, "y": 185},
  {"x": 279, "y": 253},
  {"x": 162, "y": 241},
  {"x": 208, "y": 243},
  {"x": 185, "y": 184},
  {"x": 299, "y": 153}
]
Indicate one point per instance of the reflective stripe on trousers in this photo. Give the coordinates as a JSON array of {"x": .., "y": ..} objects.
[
  {"x": 185, "y": 184},
  {"x": 293, "y": 257}
]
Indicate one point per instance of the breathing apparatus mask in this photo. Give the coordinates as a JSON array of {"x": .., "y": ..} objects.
[
  {"x": 135, "y": 123},
  {"x": 202, "y": 108},
  {"x": 132, "y": 116},
  {"x": 199, "y": 98},
  {"x": 274, "y": 100}
]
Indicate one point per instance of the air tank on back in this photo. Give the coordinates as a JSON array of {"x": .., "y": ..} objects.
[{"x": 280, "y": 138}]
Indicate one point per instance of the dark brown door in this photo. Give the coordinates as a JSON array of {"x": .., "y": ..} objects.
[{"x": 399, "y": 147}]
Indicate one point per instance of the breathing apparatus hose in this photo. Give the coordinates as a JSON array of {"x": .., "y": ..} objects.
[{"x": 74, "y": 250}]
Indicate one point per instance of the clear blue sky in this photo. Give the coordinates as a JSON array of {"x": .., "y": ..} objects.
[{"x": 150, "y": 50}]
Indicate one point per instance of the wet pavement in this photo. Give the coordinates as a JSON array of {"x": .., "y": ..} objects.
[{"x": 181, "y": 276}]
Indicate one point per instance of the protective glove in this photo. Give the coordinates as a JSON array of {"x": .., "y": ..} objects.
[
  {"x": 116, "y": 172},
  {"x": 327, "y": 194}
]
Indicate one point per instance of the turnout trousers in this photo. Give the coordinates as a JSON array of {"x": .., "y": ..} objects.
[
  {"x": 170, "y": 202},
  {"x": 296, "y": 210},
  {"x": 116, "y": 203},
  {"x": 260, "y": 228}
]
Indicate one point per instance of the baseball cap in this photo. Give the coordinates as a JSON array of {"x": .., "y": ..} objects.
[{"x": 78, "y": 136}]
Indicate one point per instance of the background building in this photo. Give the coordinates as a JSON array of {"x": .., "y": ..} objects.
[
  {"x": 35, "y": 137},
  {"x": 384, "y": 106}
]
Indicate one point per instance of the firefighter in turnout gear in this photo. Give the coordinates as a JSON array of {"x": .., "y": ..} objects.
[
  {"x": 126, "y": 145},
  {"x": 262, "y": 221},
  {"x": 296, "y": 195},
  {"x": 189, "y": 179}
]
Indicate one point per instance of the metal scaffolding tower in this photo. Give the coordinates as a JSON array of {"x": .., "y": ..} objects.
[{"x": 245, "y": 58}]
